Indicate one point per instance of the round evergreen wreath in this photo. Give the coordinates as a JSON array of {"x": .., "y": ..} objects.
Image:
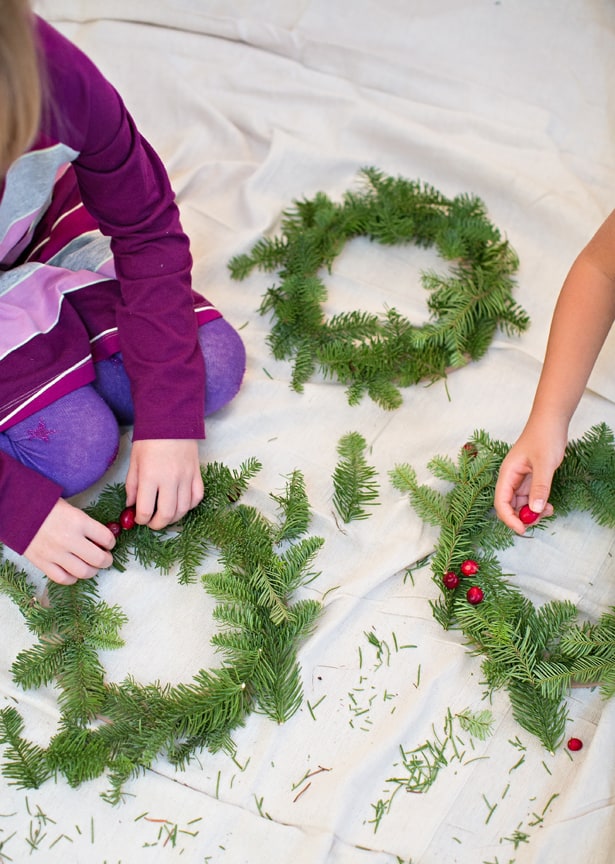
[
  {"x": 534, "y": 653},
  {"x": 120, "y": 729},
  {"x": 372, "y": 354}
]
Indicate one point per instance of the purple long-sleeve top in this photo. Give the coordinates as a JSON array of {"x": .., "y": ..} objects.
[{"x": 138, "y": 301}]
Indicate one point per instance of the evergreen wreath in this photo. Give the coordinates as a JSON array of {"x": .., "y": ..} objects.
[
  {"x": 534, "y": 653},
  {"x": 379, "y": 354},
  {"x": 120, "y": 729}
]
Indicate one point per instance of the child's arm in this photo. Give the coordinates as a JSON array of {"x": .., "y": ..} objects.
[
  {"x": 125, "y": 187},
  {"x": 582, "y": 319}
]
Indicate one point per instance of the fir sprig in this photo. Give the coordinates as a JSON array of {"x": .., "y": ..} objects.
[
  {"x": 535, "y": 654},
  {"x": 376, "y": 355},
  {"x": 478, "y": 723},
  {"x": 25, "y": 764},
  {"x": 354, "y": 480},
  {"x": 294, "y": 508},
  {"x": 72, "y": 628}
]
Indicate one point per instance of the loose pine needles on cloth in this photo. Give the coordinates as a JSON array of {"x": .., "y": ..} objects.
[
  {"x": 120, "y": 729},
  {"x": 535, "y": 654},
  {"x": 372, "y": 354}
]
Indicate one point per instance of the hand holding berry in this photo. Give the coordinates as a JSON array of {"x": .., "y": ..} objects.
[
  {"x": 164, "y": 480},
  {"x": 525, "y": 476},
  {"x": 70, "y": 545}
]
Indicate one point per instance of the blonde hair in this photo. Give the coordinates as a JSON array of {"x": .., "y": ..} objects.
[{"x": 20, "y": 82}]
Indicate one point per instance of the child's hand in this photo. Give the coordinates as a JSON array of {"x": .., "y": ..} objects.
[
  {"x": 70, "y": 545},
  {"x": 164, "y": 480},
  {"x": 526, "y": 473}
]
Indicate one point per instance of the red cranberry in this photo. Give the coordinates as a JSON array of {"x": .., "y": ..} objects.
[
  {"x": 127, "y": 518},
  {"x": 450, "y": 580},
  {"x": 527, "y": 515},
  {"x": 475, "y": 595},
  {"x": 469, "y": 567}
]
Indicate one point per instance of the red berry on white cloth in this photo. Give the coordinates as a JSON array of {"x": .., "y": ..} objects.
[{"x": 575, "y": 744}]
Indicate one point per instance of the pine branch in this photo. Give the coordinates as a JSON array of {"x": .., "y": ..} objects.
[
  {"x": 554, "y": 679},
  {"x": 77, "y": 753},
  {"x": 71, "y": 630},
  {"x": 294, "y": 509},
  {"x": 430, "y": 504},
  {"x": 545, "y": 718},
  {"x": 15, "y": 585},
  {"x": 535, "y": 654},
  {"x": 478, "y": 723},
  {"x": 277, "y": 684},
  {"x": 25, "y": 764},
  {"x": 150, "y": 720},
  {"x": 354, "y": 483},
  {"x": 295, "y": 563}
]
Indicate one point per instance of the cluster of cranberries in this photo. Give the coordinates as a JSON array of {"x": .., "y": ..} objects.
[
  {"x": 451, "y": 580},
  {"x": 125, "y": 522}
]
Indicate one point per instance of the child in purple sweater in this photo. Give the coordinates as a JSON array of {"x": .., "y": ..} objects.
[{"x": 99, "y": 324}]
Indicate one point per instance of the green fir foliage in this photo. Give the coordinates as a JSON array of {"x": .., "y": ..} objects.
[
  {"x": 536, "y": 654},
  {"x": 25, "y": 764},
  {"x": 121, "y": 729},
  {"x": 376, "y": 355},
  {"x": 72, "y": 627},
  {"x": 478, "y": 723},
  {"x": 354, "y": 483}
]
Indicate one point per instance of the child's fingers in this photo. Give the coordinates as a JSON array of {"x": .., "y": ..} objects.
[
  {"x": 60, "y": 575},
  {"x": 102, "y": 537},
  {"x": 539, "y": 493}
]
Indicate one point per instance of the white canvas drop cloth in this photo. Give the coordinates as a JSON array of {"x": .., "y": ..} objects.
[{"x": 252, "y": 105}]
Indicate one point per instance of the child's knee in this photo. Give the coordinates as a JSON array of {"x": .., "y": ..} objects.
[
  {"x": 73, "y": 441},
  {"x": 225, "y": 362}
]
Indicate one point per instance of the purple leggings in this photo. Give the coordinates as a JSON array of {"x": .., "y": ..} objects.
[{"x": 75, "y": 439}]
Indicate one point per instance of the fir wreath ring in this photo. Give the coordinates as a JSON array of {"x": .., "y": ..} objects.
[
  {"x": 120, "y": 729},
  {"x": 379, "y": 354},
  {"x": 535, "y": 654}
]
